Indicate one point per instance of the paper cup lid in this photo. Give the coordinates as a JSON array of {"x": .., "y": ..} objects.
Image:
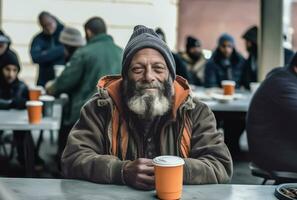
[
  {"x": 228, "y": 82},
  {"x": 46, "y": 98},
  {"x": 34, "y": 103},
  {"x": 168, "y": 161},
  {"x": 36, "y": 88}
]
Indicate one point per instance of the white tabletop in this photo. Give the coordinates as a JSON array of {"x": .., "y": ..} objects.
[
  {"x": 62, "y": 189},
  {"x": 237, "y": 105},
  {"x": 18, "y": 120}
]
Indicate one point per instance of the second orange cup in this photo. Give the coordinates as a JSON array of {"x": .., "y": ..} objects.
[
  {"x": 34, "y": 109},
  {"x": 35, "y": 92}
]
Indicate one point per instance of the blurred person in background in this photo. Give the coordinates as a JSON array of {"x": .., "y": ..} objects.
[
  {"x": 181, "y": 68},
  {"x": 250, "y": 67},
  {"x": 46, "y": 49},
  {"x": 13, "y": 95},
  {"x": 72, "y": 39},
  {"x": 195, "y": 60},
  {"x": 271, "y": 121},
  {"x": 224, "y": 64},
  {"x": 99, "y": 57},
  {"x": 4, "y": 45}
]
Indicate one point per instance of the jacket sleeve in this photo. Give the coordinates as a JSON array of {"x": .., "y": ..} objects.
[
  {"x": 71, "y": 76},
  {"x": 5, "y": 104},
  {"x": 210, "y": 75},
  {"x": 210, "y": 160},
  {"x": 20, "y": 98},
  {"x": 41, "y": 55},
  {"x": 85, "y": 155}
]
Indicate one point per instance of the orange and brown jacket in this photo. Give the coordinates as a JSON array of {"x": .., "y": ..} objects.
[{"x": 97, "y": 145}]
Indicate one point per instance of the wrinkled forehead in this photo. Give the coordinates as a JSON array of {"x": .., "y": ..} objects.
[{"x": 148, "y": 55}]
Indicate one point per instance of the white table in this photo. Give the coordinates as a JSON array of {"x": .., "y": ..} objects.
[
  {"x": 17, "y": 120},
  {"x": 237, "y": 105},
  {"x": 63, "y": 189}
]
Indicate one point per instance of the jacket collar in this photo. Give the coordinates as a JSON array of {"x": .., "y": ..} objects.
[
  {"x": 113, "y": 86},
  {"x": 100, "y": 37}
]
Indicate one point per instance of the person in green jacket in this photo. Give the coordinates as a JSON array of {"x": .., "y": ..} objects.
[{"x": 100, "y": 56}]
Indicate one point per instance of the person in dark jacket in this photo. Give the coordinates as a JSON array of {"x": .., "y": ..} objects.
[
  {"x": 46, "y": 49},
  {"x": 194, "y": 60},
  {"x": 271, "y": 121},
  {"x": 181, "y": 68},
  {"x": 250, "y": 66},
  {"x": 225, "y": 63},
  {"x": 13, "y": 94}
]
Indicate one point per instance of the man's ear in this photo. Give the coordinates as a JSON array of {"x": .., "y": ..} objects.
[
  {"x": 295, "y": 69},
  {"x": 89, "y": 33}
]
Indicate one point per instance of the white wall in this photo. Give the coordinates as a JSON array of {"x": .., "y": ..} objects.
[{"x": 20, "y": 20}]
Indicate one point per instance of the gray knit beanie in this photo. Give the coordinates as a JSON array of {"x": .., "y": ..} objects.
[{"x": 144, "y": 37}]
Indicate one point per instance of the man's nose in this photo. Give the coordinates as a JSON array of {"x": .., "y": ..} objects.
[{"x": 149, "y": 76}]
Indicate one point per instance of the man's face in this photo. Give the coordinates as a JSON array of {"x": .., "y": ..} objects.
[
  {"x": 194, "y": 53},
  {"x": 149, "y": 86},
  {"x": 48, "y": 24},
  {"x": 10, "y": 73},
  {"x": 3, "y": 47},
  {"x": 226, "y": 49},
  {"x": 295, "y": 69}
]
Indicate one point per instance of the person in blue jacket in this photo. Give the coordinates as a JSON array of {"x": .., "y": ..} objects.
[
  {"x": 46, "y": 50},
  {"x": 225, "y": 63}
]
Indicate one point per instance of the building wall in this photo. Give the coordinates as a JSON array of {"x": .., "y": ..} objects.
[
  {"x": 208, "y": 19},
  {"x": 20, "y": 20}
]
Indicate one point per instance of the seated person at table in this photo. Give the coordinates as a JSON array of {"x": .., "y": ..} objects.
[
  {"x": 13, "y": 93},
  {"x": 146, "y": 112},
  {"x": 271, "y": 121},
  {"x": 224, "y": 64}
]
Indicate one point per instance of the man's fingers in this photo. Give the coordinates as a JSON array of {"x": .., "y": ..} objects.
[{"x": 144, "y": 178}]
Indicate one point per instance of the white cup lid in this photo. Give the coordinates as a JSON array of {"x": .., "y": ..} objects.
[
  {"x": 34, "y": 103},
  {"x": 168, "y": 161},
  {"x": 46, "y": 98},
  {"x": 36, "y": 88},
  {"x": 228, "y": 82}
]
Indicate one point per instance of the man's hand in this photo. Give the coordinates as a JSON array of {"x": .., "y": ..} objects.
[
  {"x": 140, "y": 174},
  {"x": 49, "y": 87}
]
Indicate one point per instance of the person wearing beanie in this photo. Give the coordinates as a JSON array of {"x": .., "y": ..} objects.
[
  {"x": 46, "y": 49},
  {"x": 145, "y": 112},
  {"x": 72, "y": 39},
  {"x": 181, "y": 68},
  {"x": 195, "y": 60},
  {"x": 13, "y": 92},
  {"x": 250, "y": 67},
  {"x": 98, "y": 58},
  {"x": 224, "y": 64}
]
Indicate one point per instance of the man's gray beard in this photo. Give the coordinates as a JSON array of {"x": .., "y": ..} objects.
[{"x": 150, "y": 105}]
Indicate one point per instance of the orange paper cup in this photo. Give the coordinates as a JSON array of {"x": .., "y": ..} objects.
[
  {"x": 169, "y": 176},
  {"x": 34, "y": 109},
  {"x": 229, "y": 87},
  {"x": 34, "y": 93}
]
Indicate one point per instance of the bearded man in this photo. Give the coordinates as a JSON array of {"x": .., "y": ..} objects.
[{"x": 146, "y": 112}]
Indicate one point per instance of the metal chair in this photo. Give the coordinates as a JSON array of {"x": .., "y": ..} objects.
[{"x": 277, "y": 176}]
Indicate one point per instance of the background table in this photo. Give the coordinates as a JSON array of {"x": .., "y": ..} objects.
[
  {"x": 59, "y": 189},
  {"x": 17, "y": 120}
]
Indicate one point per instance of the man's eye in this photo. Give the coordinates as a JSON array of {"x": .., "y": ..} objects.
[{"x": 137, "y": 70}]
